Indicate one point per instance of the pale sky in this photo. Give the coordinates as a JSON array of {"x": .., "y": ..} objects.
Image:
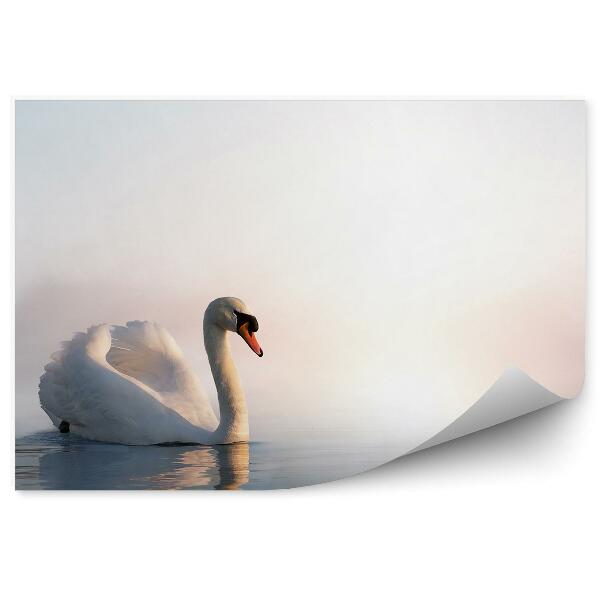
[{"x": 398, "y": 255}]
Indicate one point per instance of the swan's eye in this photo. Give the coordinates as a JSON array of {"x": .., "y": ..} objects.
[{"x": 243, "y": 318}]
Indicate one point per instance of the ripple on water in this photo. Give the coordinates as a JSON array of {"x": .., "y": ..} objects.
[{"x": 55, "y": 461}]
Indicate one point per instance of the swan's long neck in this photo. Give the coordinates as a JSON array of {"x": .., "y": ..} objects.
[{"x": 233, "y": 426}]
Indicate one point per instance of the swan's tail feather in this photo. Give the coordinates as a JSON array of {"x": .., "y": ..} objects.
[{"x": 55, "y": 393}]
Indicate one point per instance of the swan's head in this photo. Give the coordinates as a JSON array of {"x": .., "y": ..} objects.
[{"x": 233, "y": 315}]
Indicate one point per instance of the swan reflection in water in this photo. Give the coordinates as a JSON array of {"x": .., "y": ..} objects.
[
  {"x": 55, "y": 461},
  {"x": 80, "y": 464},
  {"x": 222, "y": 467}
]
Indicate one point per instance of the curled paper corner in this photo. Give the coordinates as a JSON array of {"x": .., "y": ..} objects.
[{"x": 512, "y": 395}]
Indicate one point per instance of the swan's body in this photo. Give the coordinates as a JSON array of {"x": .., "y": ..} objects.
[{"x": 132, "y": 385}]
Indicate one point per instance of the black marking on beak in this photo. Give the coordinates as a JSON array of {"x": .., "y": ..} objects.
[{"x": 243, "y": 318}]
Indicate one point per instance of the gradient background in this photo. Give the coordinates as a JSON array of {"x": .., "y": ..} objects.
[{"x": 398, "y": 255}]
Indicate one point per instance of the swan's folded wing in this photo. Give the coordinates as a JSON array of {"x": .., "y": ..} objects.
[
  {"x": 147, "y": 352},
  {"x": 102, "y": 403}
]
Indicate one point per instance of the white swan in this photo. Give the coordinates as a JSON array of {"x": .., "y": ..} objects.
[{"x": 132, "y": 385}]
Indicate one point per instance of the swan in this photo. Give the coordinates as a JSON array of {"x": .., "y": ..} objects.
[{"x": 131, "y": 384}]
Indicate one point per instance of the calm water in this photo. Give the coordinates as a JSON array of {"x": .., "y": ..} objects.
[{"x": 54, "y": 461}]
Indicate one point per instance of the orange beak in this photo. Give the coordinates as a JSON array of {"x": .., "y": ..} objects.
[{"x": 250, "y": 339}]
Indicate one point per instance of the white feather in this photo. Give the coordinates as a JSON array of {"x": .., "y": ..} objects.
[{"x": 132, "y": 387}]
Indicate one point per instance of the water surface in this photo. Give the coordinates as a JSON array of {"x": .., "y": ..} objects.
[{"x": 54, "y": 461}]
